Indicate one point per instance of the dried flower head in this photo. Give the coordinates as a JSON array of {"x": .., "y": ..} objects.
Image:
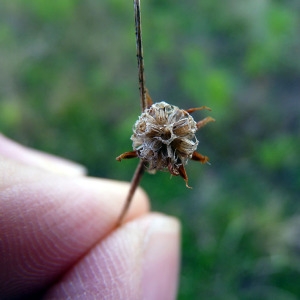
[{"x": 164, "y": 137}]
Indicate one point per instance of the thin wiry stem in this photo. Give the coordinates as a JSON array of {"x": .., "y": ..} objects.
[
  {"x": 133, "y": 186},
  {"x": 139, "y": 53},
  {"x": 143, "y": 98}
]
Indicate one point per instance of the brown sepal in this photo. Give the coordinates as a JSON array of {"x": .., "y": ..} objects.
[
  {"x": 191, "y": 110},
  {"x": 199, "y": 157},
  {"x": 148, "y": 99},
  {"x": 183, "y": 174},
  {"x": 204, "y": 122},
  {"x": 126, "y": 155}
]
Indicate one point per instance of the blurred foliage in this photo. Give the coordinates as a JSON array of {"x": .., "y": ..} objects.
[{"x": 68, "y": 85}]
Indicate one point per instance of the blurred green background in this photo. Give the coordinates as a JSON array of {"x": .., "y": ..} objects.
[{"x": 68, "y": 86}]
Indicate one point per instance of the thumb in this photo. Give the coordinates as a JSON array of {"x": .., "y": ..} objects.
[{"x": 140, "y": 260}]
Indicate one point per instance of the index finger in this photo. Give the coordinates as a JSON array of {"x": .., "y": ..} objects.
[{"x": 50, "y": 221}]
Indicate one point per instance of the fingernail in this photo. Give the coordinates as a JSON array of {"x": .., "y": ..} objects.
[
  {"x": 47, "y": 162},
  {"x": 161, "y": 264}
]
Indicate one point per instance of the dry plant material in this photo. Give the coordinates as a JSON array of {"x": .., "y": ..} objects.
[{"x": 164, "y": 135}]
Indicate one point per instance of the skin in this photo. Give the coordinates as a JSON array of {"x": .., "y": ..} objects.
[{"x": 58, "y": 238}]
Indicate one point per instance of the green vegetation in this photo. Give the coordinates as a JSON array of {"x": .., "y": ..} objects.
[{"x": 69, "y": 86}]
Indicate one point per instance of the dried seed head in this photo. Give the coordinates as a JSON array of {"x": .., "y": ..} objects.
[{"x": 164, "y": 137}]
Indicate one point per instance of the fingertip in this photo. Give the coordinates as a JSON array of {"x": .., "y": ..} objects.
[
  {"x": 54, "y": 219},
  {"x": 140, "y": 260}
]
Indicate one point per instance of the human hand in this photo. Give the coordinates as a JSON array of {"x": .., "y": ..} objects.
[{"x": 57, "y": 237}]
